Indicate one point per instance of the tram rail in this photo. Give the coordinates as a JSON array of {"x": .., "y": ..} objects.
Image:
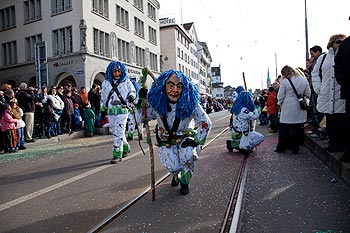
[{"x": 117, "y": 213}]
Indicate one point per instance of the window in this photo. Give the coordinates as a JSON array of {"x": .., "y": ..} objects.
[
  {"x": 58, "y": 6},
  {"x": 152, "y": 35},
  {"x": 101, "y": 43},
  {"x": 138, "y": 4},
  {"x": 32, "y": 10},
  {"x": 9, "y": 53},
  {"x": 151, "y": 12},
  {"x": 154, "y": 61},
  {"x": 139, "y": 27},
  {"x": 30, "y": 46},
  {"x": 140, "y": 56},
  {"x": 122, "y": 17},
  {"x": 123, "y": 50},
  {"x": 62, "y": 41},
  {"x": 100, "y": 7},
  {"x": 7, "y": 18}
]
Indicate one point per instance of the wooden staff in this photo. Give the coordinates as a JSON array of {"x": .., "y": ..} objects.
[
  {"x": 145, "y": 72},
  {"x": 245, "y": 84}
]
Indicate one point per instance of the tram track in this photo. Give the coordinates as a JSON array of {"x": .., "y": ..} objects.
[
  {"x": 117, "y": 213},
  {"x": 231, "y": 219}
]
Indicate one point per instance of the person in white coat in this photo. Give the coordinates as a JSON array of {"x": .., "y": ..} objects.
[
  {"x": 58, "y": 106},
  {"x": 292, "y": 117},
  {"x": 328, "y": 91}
]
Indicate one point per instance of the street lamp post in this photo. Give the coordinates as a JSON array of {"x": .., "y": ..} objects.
[{"x": 306, "y": 35}]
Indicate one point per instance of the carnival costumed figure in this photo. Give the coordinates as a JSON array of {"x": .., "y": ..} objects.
[
  {"x": 235, "y": 137},
  {"x": 174, "y": 101},
  {"x": 243, "y": 112},
  {"x": 135, "y": 116},
  {"x": 235, "y": 94},
  {"x": 117, "y": 97}
]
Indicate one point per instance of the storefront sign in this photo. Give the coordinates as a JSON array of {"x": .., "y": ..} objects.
[
  {"x": 63, "y": 63},
  {"x": 131, "y": 71},
  {"x": 79, "y": 72},
  {"x": 166, "y": 21}
]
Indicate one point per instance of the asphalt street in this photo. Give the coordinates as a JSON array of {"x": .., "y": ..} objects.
[{"x": 69, "y": 186}]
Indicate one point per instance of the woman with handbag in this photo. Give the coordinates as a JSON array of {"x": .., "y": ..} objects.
[
  {"x": 328, "y": 100},
  {"x": 292, "y": 117}
]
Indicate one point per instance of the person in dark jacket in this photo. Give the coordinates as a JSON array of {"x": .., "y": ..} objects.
[
  {"x": 25, "y": 97},
  {"x": 342, "y": 76},
  {"x": 49, "y": 118}
]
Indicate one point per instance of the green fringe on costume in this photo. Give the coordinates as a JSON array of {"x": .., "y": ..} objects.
[
  {"x": 185, "y": 177},
  {"x": 117, "y": 153}
]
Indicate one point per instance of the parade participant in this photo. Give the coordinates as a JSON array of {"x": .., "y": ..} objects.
[
  {"x": 235, "y": 94},
  {"x": 243, "y": 112},
  {"x": 174, "y": 102},
  {"x": 117, "y": 90},
  {"x": 135, "y": 116}
]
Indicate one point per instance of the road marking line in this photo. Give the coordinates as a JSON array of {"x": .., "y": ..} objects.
[
  {"x": 221, "y": 118},
  {"x": 50, "y": 188},
  {"x": 58, "y": 185}
]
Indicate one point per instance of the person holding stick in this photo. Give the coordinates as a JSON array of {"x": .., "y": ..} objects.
[
  {"x": 117, "y": 98},
  {"x": 173, "y": 101}
]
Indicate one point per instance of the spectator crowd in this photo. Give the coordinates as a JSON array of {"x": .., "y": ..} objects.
[{"x": 30, "y": 113}]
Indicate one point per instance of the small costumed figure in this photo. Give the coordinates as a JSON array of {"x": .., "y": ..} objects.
[
  {"x": 135, "y": 116},
  {"x": 235, "y": 94},
  {"x": 117, "y": 98},
  {"x": 243, "y": 110},
  {"x": 174, "y": 102}
]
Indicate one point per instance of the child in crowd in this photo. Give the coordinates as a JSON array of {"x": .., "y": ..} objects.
[
  {"x": 271, "y": 105},
  {"x": 49, "y": 119},
  {"x": 17, "y": 113},
  {"x": 89, "y": 121},
  {"x": 77, "y": 119},
  {"x": 8, "y": 127}
]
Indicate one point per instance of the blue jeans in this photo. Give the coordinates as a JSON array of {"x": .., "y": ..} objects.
[
  {"x": 50, "y": 129},
  {"x": 20, "y": 137}
]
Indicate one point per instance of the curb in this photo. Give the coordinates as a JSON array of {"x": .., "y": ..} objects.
[{"x": 331, "y": 160}]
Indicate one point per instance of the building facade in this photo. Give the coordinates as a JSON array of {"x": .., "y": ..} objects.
[
  {"x": 78, "y": 40},
  {"x": 181, "y": 50},
  {"x": 217, "y": 85}
]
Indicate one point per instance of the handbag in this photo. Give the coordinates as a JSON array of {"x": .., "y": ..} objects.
[
  {"x": 304, "y": 101},
  {"x": 56, "y": 117}
]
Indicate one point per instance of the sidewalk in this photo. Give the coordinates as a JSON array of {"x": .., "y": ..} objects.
[
  {"x": 317, "y": 147},
  {"x": 65, "y": 137}
]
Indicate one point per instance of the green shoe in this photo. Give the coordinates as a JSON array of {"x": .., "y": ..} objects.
[
  {"x": 175, "y": 181},
  {"x": 184, "y": 189},
  {"x": 116, "y": 160}
]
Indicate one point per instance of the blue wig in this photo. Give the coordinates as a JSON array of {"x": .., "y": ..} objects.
[
  {"x": 244, "y": 99},
  {"x": 186, "y": 104},
  {"x": 116, "y": 65},
  {"x": 239, "y": 89},
  {"x": 135, "y": 84}
]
